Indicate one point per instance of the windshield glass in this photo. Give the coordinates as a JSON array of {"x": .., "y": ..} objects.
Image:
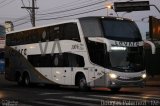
[
  {"x": 2, "y": 31},
  {"x": 122, "y": 30},
  {"x": 129, "y": 59}
]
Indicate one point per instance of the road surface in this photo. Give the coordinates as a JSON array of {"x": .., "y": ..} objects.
[{"x": 13, "y": 95}]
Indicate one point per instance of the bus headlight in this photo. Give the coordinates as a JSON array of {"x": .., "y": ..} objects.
[
  {"x": 113, "y": 76},
  {"x": 144, "y": 76},
  {"x": 115, "y": 48}
]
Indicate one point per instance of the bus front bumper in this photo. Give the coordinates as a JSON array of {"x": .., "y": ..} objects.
[
  {"x": 122, "y": 83},
  {"x": 126, "y": 79}
]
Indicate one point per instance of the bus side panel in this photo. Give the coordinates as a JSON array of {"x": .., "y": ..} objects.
[
  {"x": 16, "y": 62},
  {"x": 9, "y": 65}
]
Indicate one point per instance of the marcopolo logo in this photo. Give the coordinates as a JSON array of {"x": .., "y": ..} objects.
[
  {"x": 128, "y": 44},
  {"x": 44, "y": 45}
]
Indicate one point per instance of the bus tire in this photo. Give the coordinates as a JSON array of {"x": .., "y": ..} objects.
[
  {"x": 116, "y": 89},
  {"x": 19, "y": 79},
  {"x": 26, "y": 80},
  {"x": 82, "y": 84}
]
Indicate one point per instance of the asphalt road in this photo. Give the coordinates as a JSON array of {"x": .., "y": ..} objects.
[{"x": 13, "y": 95}]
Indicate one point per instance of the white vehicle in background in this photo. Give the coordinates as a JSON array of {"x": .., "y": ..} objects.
[{"x": 85, "y": 52}]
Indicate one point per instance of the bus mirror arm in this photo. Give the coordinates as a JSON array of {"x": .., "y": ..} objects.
[{"x": 153, "y": 47}]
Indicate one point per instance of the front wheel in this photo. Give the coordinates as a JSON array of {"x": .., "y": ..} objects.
[{"x": 82, "y": 84}]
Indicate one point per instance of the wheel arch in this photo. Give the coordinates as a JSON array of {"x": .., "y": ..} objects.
[
  {"x": 77, "y": 75},
  {"x": 26, "y": 73}
]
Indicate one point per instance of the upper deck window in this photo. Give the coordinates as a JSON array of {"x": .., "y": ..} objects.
[
  {"x": 66, "y": 31},
  {"x": 91, "y": 27},
  {"x": 121, "y": 30},
  {"x": 111, "y": 28}
]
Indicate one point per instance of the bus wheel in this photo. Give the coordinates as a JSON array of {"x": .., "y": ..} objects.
[
  {"x": 117, "y": 89},
  {"x": 82, "y": 84},
  {"x": 19, "y": 79},
  {"x": 26, "y": 80}
]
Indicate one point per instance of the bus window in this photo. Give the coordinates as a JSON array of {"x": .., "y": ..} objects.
[
  {"x": 55, "y": 32},
  {"x": 71, "y": 32},
  {"x": 56, "y": 60},
  {"x": 75, "y": 60},
  {"x": 99, "y": 55},
  {"x": 91, "y": 28}
]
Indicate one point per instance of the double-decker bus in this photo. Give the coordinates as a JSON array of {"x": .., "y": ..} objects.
[
  {"x": 85, "y": 52},
  {"x": 2, "y": 44}
]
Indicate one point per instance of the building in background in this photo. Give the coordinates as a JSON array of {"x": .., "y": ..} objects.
[
  {"x": 2, "y": 45},
  {"x": 9, "y": 26}
]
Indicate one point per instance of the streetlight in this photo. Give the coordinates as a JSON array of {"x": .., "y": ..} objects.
[{"x": 109, "y": 6}]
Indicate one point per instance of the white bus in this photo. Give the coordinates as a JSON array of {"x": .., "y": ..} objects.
[{"x": 85, "y": 52}]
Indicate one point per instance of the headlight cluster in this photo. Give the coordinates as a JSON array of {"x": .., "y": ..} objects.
[
  {"x": 113, "y": 76},
  {"x": 144, "y": 76}
]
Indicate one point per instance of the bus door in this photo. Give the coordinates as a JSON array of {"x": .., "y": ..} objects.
[
  {"x": 58, "y": 68},
  {"x": 75, "y": 64},
  {"x": 68, "y": 72}
]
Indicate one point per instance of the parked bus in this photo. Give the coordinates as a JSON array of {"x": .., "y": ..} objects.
[
  {"x": 2, "y": 44},
  {"x": 85, "y": 52}
]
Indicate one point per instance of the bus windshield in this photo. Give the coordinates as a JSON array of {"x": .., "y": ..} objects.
[
  {"x": 122, "y": 30},
  {"x": 130, "y": 59}
]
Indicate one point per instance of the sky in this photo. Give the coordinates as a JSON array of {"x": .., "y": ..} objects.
[{"x": 51, "y": 11}]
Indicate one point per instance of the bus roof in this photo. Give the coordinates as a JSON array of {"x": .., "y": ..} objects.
[
  {"x": 67, "y": 21},
  {"x": 56, "y": 23}
]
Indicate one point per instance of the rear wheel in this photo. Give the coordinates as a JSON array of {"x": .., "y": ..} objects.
[
  {"x": 19, "y": 79},
  {"x": 26, "y": 80}
]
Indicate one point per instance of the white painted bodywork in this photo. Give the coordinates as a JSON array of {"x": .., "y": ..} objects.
[{"x": 58, "y": 74}]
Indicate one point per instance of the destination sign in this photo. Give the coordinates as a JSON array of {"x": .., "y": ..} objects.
[{"x": 126, "y": 44}]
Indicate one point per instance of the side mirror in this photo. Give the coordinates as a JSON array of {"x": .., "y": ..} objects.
[{"x": 153, "y": 47}]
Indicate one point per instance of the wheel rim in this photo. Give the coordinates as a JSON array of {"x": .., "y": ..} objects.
[
  {"x": 27, "y": 80},
  {"x": 82, "y": 83},
  {"x": 19, "y": 79}
]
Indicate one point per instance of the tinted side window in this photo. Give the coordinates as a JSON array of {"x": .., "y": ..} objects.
[
  {"x": 55, "y": 32},
  {"x": 71, "y": 32},
  {"x": 75, "y": 60},
  {"x": 57, "y": 60},
  {"x": 99, "y": 55},
  {"x": 68, "y": 31}
]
